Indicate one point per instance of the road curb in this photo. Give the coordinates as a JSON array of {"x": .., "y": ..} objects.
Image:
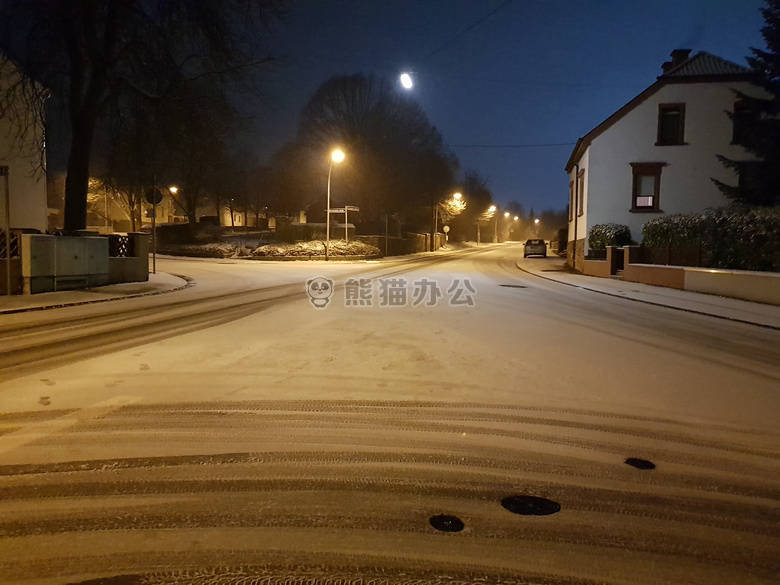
[
  {"x": 189, "y": 283},
  {"x": 646, "y": 302}
]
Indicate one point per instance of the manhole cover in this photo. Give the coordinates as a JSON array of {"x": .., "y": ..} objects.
[
  {"x": 530, "y": 505},
  {"x": 513, "y": 285},
  {"x": 640, "y": 463},
  {"x": 447, "y": 523}
]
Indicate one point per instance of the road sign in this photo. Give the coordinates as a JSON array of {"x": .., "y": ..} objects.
[{"x": 154, "y": 196}]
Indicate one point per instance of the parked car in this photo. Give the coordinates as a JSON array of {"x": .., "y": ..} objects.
[{"x": 535, "y": 247}]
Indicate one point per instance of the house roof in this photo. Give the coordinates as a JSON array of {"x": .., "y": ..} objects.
[
  {"x": 704, "y": 64},
  {"x": 703, "y": 67}
]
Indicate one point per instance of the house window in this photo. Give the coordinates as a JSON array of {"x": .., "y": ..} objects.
[
  {"x": 581, "y": 192},
  {"x": 744, "y": 114},
  {"x": 671, "y": 124},
  {"x": 647, "y": 186},
  {"x": 747, "y": 175},
  {"x": 571, "y": 200}
]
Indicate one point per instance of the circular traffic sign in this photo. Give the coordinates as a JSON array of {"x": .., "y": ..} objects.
[{"x": 154, "y": 196}]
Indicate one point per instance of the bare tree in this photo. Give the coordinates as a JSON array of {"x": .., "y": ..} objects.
[
  {"x": 396, "y": 161},
  {"x": 22, "y": 111},
  {"x": 478, "y": 197},
  {"x": 92, "y": 53}
]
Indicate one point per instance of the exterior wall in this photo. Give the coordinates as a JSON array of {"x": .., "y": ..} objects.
[
  {"x": 27, "y": 186},
  {"x": 133, "y": 268},
  {"x": 668, "y": 276},
  {"x": 579, "y": 214},
  {"x": 686, "y": 184},
  {"x": 760, "y": 287}
]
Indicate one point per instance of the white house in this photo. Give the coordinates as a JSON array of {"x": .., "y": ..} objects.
[
  {"x": 20, "y": 135},
  {"x": 657, "y": 154}
]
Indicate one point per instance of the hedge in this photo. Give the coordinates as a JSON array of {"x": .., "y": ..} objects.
[
  {"x": 736, "y": 237},
  {"x": 608, "y": 234}
]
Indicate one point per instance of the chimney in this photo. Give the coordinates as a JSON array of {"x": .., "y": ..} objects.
[{"x": 678, "y": 56}]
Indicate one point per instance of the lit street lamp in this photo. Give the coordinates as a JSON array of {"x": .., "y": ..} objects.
[
  {"x": 406, "y": 81},
  {"x": 492, "y": 210},
  {"x": 335, "y": 156},
  {"x": 456, "y": 197}
]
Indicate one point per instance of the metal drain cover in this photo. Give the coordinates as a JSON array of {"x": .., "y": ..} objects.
[
  {"x": 640, "y": 463},
  {"x": 446, "y": 523},
  {"x": 530, "y": 505},
  {"x": 513, "y": 285}
]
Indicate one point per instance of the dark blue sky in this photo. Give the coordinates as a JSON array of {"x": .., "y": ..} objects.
[{"x": 535, "y": 72}]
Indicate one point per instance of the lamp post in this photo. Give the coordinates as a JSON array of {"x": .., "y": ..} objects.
[
  {"x": 456, "y": 197},
  {"x": 492, "y": 209},
  {"x": 336, "y": 156}
]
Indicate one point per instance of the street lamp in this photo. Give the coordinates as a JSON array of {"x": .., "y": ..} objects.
[
  {"x": 492, "y": 210},
  {"x": 456, "y": 197},
  {"x": 406, "y": 81},
  {"x": 336, "y": 156}
]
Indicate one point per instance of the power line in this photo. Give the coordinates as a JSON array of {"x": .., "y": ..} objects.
[
  {"x": 460, "y": 34},
  {"x": 510, "y": 145}
]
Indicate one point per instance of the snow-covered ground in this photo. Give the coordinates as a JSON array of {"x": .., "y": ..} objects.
[{"x": 254, "y": 426}]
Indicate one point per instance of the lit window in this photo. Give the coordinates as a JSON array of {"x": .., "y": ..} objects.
[{"x": 646, "y": 186}]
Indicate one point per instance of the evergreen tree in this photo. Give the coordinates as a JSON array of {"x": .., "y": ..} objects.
[{"x": 757, "y": 122}]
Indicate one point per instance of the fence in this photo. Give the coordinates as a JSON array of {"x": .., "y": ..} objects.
[
  {"x": 14, "y": 239},
  {"x": 692, "y": 256},
  {"x": 121, "y": 246}
]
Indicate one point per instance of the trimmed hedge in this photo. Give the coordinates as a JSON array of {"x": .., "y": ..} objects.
[
  {"x": 737, "y": 237},
  {"x": 608, "y": 234}
]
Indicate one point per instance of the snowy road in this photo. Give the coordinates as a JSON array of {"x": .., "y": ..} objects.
[{"x": 233, "y": 425}]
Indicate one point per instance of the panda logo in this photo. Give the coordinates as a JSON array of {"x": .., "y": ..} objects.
[{"x": 319, "y": 290}]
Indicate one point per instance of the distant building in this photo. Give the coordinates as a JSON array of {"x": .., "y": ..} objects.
[
  {"x": 658, "y": 154},
  {"x": 20, "y": 137}
]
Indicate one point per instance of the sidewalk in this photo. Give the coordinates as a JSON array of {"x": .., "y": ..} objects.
[
  {"x": 158, "y": 283},
  {"x": 554, "y": 268}
]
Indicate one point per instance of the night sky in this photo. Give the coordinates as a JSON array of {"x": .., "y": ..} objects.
[{"x": 536, "y": 72}]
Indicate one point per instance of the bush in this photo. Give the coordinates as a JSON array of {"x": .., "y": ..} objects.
[
  {"x": 317, "y": 248},
  {"x": 673, "y": 230},
  {"x": 736, "y": 237},
  {"x": 608, "y": 234}
]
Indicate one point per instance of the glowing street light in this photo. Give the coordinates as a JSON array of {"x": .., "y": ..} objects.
[
  {"x": 406, "y": 81},
  {"x": 336, "y": 156},
  {"x": 453, "y": 206},
  {"x": 173, "y": 189},
  {"x": 516, "y": 218}
]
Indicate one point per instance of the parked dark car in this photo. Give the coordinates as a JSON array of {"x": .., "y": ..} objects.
[{"x": 535, "y": 247}]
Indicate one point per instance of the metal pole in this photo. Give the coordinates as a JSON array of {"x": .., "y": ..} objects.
[
  {"x": 327, "y": 217},
  {"x": 435, "y": 224},
  {"x": 4, "y": 172},
  {"x": 346, "y": 225},
  {"x": 154, "y": 227},
  {"x": 154, "y": 238},
  {"x": 386, "y": 234},
  {"x": 495, "y": 230}
]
